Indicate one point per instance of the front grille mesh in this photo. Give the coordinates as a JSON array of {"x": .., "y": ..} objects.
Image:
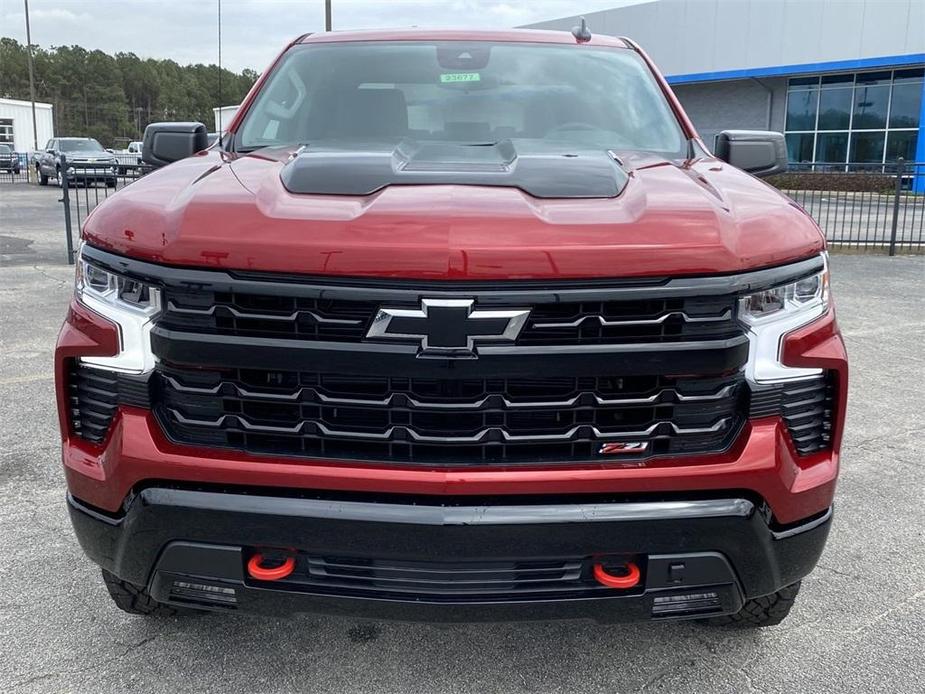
[
  {"x": 434, "y": 421},
  {"x": 334, "y": 412},
  {"x": 560, "y": 323}
]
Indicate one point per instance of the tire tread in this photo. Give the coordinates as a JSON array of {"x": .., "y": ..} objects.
[
  {"x": 136, "y": 599},
  {"x": 766, "y": 611}
]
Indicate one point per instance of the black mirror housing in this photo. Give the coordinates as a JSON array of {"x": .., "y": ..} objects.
[
  {"x": 758, "y": 152},
  {"x": 165, "y": 143}
]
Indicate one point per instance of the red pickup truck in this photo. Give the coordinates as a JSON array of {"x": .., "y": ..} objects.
[{"x": 454, "y": 326}]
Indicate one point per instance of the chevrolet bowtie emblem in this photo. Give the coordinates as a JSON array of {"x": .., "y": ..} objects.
[{"x": 448, "y": 327}]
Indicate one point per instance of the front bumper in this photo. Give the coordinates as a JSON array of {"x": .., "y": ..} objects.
[
  {"x": 99, "y": 172},
  {"x": 171, "y": 537}
]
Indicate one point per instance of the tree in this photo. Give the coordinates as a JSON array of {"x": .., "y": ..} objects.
[{"x": 113, "y": 98}]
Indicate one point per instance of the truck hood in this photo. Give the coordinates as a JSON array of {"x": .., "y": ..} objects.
[{"x": 215, "y": 210}]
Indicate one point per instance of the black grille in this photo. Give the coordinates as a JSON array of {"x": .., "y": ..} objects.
[
  {"x": 806, "y": 407},
  {"x": 446, "y": 581},
  {"x": 465, "y": 421},
  {"x": 265, "y": 315},
  {"x": 652, "y": 320},
  {"x": 94, "y": 396},
  {"x": 557, "y": 323}
]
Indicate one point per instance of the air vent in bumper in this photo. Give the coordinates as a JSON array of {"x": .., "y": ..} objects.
[
  {"x": 94, "y": 396},
  {"x": 806, "y": 406}
]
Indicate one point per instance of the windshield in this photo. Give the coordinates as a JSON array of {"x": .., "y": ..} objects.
[
  {"x": 73, "y": 145},
  {"x": 5, "y": 149},
  {"x": 462, "y": 93}
]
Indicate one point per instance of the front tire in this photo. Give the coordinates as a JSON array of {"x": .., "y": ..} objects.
[
  {"x": 111, "y": 183},
  {"x": 43, "y": 179},
  {"x": 766, "y": 611},
  {"x": 135, "y": 599}
]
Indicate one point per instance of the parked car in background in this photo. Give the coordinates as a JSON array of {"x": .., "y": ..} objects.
[
  {"x": 87, "y": 161},
  {"x": 129, "y": 158},
  {"x": 9, "y": 161}
]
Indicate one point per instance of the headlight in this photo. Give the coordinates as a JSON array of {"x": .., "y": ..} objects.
[
  {"x": 770, "y": 314},
  {"x": 130, "y": 304}
]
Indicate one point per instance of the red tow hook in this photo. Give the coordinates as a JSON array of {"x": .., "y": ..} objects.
[
  {"x": 629, "y": 580},
  {"x": 257, "y": 570}
]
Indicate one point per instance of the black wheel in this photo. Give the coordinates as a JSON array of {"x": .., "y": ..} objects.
[
  {"x": 43, "y": 179},
  {"x": 766, "y": 611},
  {"x": 136, "y": 600},
  {"x": 110, "y": 183}
]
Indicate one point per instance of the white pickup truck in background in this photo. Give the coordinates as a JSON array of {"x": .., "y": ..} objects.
[{"x": 129, "y": 158}]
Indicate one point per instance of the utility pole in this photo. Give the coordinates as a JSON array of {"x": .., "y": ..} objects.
[
  {"x": 35, "y": 133},
  {"x": 219, "y": 68},
  {"x": 327, "y": 15}
]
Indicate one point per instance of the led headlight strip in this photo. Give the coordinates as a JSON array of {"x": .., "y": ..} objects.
[
  {"x": 770, "y": 314},
  {"x": 130, "y": 304}
]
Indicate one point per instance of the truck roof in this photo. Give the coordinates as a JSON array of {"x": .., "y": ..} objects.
[{"x": 503, "y": 36}]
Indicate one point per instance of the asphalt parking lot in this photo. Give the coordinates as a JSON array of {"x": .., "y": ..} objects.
[{"x": 857, "y": 625}]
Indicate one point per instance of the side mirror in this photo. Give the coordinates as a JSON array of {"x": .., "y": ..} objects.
[
  {"x": 165, "y": 143},
  {"x": 50, "y": 151},
  {"x": 758, "y": 152}
]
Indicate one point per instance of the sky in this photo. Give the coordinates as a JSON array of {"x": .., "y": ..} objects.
[{"x": 253, "y": 31}]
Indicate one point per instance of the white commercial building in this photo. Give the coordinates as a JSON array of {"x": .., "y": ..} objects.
[
  {"x": 16, "y": 124},
  {"x": 842, "y": 78},
  {"x": 223, "y": 116}
]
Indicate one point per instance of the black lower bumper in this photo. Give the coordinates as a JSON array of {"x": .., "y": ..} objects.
[{"x": 420, "y": 562}]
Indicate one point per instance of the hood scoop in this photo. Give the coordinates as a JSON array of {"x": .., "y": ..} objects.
[{"x": 543, "y": 172}]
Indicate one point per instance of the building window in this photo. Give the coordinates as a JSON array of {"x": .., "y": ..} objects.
[
  {"x": 800, "y": 147},
  {"x": 834, "y": 109},
  {"x": 901, "y": 143},
  {"x": 832, "y": 147},
  {"x": 864, "y": 118},
  {"x": 6, "y": 131},
  {"x": 801, "y": 109},
  {"x": 867, "y": 148}
]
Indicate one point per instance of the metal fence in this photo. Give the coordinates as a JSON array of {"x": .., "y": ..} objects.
[
  {"x": 15, "y": 170},
  {"x": 84, "y": 186},
  {"x": 873, "y": 208}
]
